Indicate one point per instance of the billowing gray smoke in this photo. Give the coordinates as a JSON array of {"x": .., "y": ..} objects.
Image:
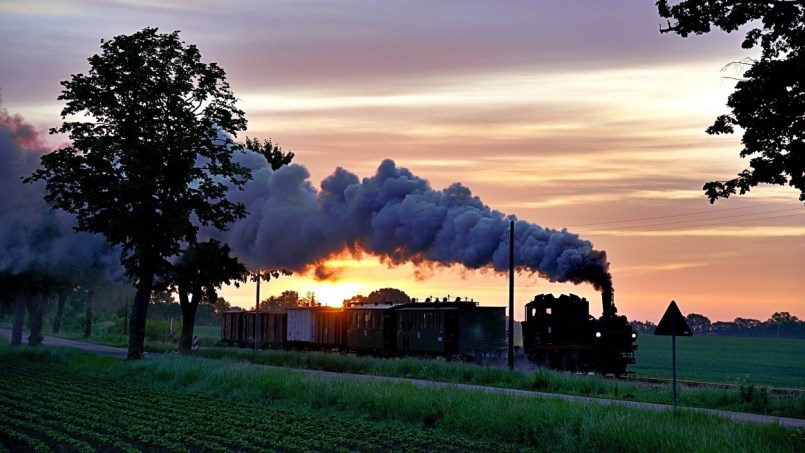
[
  {"x": 398, "y": 217},
  {"x": 34, "y": 237}
]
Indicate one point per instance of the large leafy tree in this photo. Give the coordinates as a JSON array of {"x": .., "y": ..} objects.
[
  {"x": 769, "y": 101},
  {"x": 198, "y": 275},
  {"x": 150, "y": 158}
]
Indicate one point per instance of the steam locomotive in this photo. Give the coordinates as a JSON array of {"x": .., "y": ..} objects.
[{"x": 557, "y": 332}]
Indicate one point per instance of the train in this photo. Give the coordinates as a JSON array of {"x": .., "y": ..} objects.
[{"x": 558, "y": 332}]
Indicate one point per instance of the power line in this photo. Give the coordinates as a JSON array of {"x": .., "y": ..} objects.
[
  {"x": 679, "y": 215},
  {"x": 731, "y": 222},
  {"x": 707, "y": 224},
  {"x": 693, "y": 220}
]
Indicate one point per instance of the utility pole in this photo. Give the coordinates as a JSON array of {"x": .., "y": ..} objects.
[
  {"x": 511, "y": 295},
  {"x": 257, "y": 336}
]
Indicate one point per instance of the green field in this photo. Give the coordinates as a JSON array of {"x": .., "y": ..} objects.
[
  {"x": 760, "y": 361},
  {"x": 55, "y": 399}
]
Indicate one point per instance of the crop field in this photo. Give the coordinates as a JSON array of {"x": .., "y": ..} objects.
[
  {"x": 759, "y": 361},
  {"x": 46, "y": 410},
  {"x": 59, "y": 400}
]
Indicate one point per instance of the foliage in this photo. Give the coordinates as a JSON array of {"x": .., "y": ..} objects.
[
  {"x": 198, "y": 275},
  {"x": 288, "y": 298},
  {"x": 204, "y": 268},
  {"x": 271, "y": 151},
  {"x": 780, "y": 325},
  {"x": 153, "y": 161},
  {"x": 380, "y": 296},
  {"x": 767, "y": 101},
  {"x": 153, "y": 156},
  {"x": 765, "y": 363}
]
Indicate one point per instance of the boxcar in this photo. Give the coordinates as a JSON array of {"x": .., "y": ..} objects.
[
  {"x": 315, "y": 327},
  {"x": 273, "y": 329},
  {"x": 329, "y": 328},
  {"x": 232, "y": 327},
  {"x": 237, "y": 328}
]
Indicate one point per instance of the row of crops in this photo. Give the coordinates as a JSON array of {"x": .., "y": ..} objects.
[{"x": 47, "y": 409}]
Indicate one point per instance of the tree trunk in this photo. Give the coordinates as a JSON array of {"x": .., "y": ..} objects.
[
  {"x": 88, "y": 313},
  {"x": 189, "y": 308},
  {"x": 60, "y": 310},
  {"x": 36, "y": 306},
  {"x": 19, "y": 318},
  {"x": 139, "y": 310}
]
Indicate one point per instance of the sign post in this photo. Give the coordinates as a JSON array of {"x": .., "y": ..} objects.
[{"x": 673, "y": 324}]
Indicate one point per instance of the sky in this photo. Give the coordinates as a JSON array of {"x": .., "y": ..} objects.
[{"x": 576, "y": 115}]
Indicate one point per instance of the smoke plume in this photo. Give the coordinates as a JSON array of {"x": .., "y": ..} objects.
[
  {"x": 34, "y": 237},
  {"x": 398, "y": 217}
]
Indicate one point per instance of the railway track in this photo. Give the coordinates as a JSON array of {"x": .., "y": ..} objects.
[{"x": 659, "y": 381}]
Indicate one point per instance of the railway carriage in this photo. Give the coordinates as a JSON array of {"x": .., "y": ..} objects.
[
  {"x": 450, "y": 329},
  {"x": 371, "y": 328}
]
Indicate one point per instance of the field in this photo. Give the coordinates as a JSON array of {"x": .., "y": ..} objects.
[
  {"x": 222, "y": 399},
  {"x": 56, "y": 399},
  {"x": 759, "y": 361}
]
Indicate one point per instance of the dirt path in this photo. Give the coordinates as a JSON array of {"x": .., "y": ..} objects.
[
  {"x": 735, "y": 416},
  {"x": 89, "y": 347}
]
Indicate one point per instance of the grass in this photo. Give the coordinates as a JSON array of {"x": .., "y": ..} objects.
[
  {"x": 754, "y": 399},
  {"x": 319, "y": 414},
  {"x": 758, "y": 361}
]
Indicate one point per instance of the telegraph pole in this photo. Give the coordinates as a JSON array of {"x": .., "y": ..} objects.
[
  {"x": 511, "y": 295},
  {"x": 257, "y": 315}
]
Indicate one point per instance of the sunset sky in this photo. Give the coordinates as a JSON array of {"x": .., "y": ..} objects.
[{"x": 576, "y": 115}]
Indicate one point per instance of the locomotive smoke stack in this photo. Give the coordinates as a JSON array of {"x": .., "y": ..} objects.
[{"x": 608, "y": 301}]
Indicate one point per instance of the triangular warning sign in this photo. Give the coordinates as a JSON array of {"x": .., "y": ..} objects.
[{"x": 673, "y": 323}]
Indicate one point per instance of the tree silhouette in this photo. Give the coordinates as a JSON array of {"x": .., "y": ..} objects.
[
  {"x": 151, "y": 159},
  {"x": 698, "y": 323},
  {"x": 198, "y": 275},
  {"x": 768, "y": 101},
  {"x": 271, "y": 151}
]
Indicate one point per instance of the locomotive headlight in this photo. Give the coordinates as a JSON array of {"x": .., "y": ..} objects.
[
  {"x": 634, "y": 335},
  {"x": 598, "y": 335}
]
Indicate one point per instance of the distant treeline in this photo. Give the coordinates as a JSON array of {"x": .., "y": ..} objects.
[{"x": 780, "y": 325}]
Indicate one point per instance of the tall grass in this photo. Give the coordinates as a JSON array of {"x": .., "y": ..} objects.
[
  {"x": 544, "y": 380},
  {"x": 534, "y": 422},
  {"x": 541, "y": 424}
]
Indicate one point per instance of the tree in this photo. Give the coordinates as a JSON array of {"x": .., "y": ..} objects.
[
  {"x": 153, "y": 161},
  {"x": 309, "y": 300},
  {"x": 783, "y": 317},
  {"x": 198, "y": 275},
  {"x": 386, "y": 295},
  {"x": 271, "y": 151},
  {"x": 768, "y": 101},
  {"x": 221, "y": 305},
  {"x": 698, "y": 323},
  {"x": 288, "y": 298}
]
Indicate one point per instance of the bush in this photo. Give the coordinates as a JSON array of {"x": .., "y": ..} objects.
[{"x": 160, "y": 330}]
